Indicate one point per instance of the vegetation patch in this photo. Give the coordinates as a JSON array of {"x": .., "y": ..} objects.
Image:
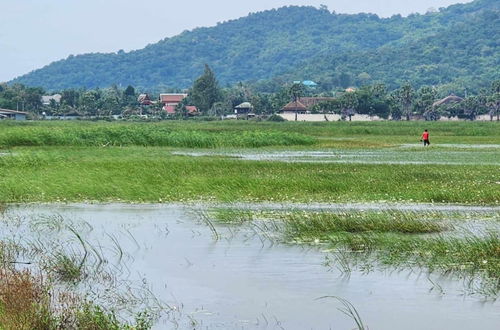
[{"x": 393, "y": 239}]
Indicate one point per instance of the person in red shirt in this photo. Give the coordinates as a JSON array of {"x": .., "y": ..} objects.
[{"x": 425, "y": 138}]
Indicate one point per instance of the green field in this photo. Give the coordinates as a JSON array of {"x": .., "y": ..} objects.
[{"x": 151, "y": 162}]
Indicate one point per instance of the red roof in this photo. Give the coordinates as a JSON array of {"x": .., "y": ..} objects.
[
  {"x": 172, "y": 98},
  {"x": 294, "y": 106},
  {"x": 191, "y": 108},
  {"x": 170, "y": 109}
]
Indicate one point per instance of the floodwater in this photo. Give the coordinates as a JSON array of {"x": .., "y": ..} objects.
[
  {"x": 241, "y": 281},
  {"x": 372, "y": 156},
  {"x": 456, "y": 145}
]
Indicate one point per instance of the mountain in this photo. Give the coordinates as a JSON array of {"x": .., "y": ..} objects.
[{"x": 457, "y": 45}]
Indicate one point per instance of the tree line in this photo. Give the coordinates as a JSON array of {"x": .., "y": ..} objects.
[{"x": 213, "y": 101}]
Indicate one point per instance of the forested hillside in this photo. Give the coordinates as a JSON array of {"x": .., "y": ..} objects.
[{"x": 457, "y": 46}]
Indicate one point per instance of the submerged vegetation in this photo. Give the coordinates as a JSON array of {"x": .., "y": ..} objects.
[
  {"x": 394, "y": 239},
  {"x": 39, "y": 277}
]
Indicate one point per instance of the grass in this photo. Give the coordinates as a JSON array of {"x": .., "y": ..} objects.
[
  {"x": 67, "y": 269},
  {"x": 320, "y": 225},
  {"x": 27, "y": 302},
  {"x": 141, "y": 134},
  {"x": 44, "y": 296},
  {"x": 241, "y": 133},
  {"x": 153, "y": 174},
  {"x": 101, "y": 161},
  {"x": 395, "y": 239}
]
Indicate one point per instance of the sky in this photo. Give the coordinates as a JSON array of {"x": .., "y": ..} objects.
[{"x": 34, "y": 33}]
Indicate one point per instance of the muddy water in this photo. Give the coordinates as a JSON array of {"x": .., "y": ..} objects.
[{"x": 242, "y": 282}]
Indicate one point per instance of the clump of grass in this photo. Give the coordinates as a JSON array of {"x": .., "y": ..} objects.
[
  {"x": 24, "y": 301},
  {"x": 320, "y": 225},
  {"x": 92, "y": 317},
  {"x": 469, "y": 257},
  {"x": 231, "y": 216},
  {"x": 349, "y": 310},
  {"x": 67, "y": 269}
]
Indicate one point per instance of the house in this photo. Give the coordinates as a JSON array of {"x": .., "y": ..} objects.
[
  {"x": 244, "y": 110},
  {"x": 46, "y": 99},
  {"x": 448, "y": 100},
  {"x": 307, "y": 83},
  {"x": 294, "y": 107},
  {"x": 144, "y": 99},
  {"x": 310, "y": 102},
  {"x": 172, "y": 99},
  {"x": 191, "y": 109},
  {"x": 304, "y": 104},
  {"x": 12, "y": 114}
]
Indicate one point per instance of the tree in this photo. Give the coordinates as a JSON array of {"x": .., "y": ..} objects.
[
  {"x": 296, "y": 91},
  {"x": 424, "y": 99},
  {"x": 349, "y": 102},
  {"x": 91, "y": 102},
  {"x": 129, "y": 96},
  {"x": 493, "y": 101},
  {"x": 405, "y": 95},
  {"x": 205, "y": 91}
]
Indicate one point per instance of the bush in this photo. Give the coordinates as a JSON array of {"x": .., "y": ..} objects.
[{"x": 276, "y": 118}]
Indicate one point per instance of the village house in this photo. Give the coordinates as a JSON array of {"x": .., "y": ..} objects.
[
  {"x": 304, "y": 105},
  {"x": 144, "y": 99},
  {"x": 171, "y": 100},
  {"x": 47, "y": 99},
  {"x": 294, "y": 107},
  {"x": 12, "y": 114},
  {"x": 307, "y": 83},
  {"x": 244, "y": 110}
]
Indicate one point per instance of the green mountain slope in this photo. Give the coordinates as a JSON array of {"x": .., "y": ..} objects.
[{"x": 459, "y": 43}]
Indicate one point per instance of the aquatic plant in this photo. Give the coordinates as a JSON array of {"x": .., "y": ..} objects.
[{"x": 349, "y": 310}]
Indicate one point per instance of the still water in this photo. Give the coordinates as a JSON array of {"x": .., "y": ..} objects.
[{"x": 242, "y": 281}]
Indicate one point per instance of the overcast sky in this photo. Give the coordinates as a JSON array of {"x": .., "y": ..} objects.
[{"x": 34, "y": 33}]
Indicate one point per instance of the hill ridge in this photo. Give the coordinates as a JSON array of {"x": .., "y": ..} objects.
[{"x": 290, "y": 41}]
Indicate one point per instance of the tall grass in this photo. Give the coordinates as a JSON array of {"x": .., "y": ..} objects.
[
  {"x": 153, "y": 174},
  {"x": 240, "y": 134},
  {"x": 119, "y": 134},
  {"x": 320, "y": 225},
  {"x": 395, "y": 239},
  {"x": 29, "y": 302}
]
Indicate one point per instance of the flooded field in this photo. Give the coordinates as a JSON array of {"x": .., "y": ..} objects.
[
  {"x": 370, "y": 156},
  {"x": 208, "y": 275}
]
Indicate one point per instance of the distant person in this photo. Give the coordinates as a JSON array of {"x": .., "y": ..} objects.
[{"x": 425, "y": 138}]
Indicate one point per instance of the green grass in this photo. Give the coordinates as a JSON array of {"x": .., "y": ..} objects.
[
  {"x": 310, "y": 225},
  {"x": 141, "y": 134},
  {"x": 139, "y": 174},
  {"x": 242, "y": 133},
  {"x": 101, "y": 161},
  {"x": 394, "y": 239}
]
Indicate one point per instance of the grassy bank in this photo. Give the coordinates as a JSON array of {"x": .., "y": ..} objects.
[{"x": 154, "y": 174}]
